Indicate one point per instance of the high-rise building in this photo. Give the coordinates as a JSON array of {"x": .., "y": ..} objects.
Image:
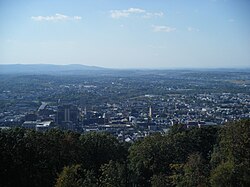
[
  {"x": 67, "y": 113},
  {"x": 150, "y": 114}
]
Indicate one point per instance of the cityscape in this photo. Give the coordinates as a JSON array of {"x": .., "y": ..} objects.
[
  {"x": 128, "y": 104},
  {"x": 125, "y": 93}
]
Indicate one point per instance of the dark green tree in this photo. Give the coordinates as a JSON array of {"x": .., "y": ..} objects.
[
  {"x": 157, "y": 153},
  {"x": 223, "y": 175},
  {"x": 231, "y": 158},
  {"x": 33, "y": 158},
  {"x": 150, "y": 157},
  {"x": 195, "y": 172},
  {"x": 75, "y": 176},
  {"x": 98, "y": 149},
  {"x": 160, "y": 180},
  {"x": 113, "y": 174}
]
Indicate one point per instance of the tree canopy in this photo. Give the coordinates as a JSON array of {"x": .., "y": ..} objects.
[{"x": 207, "y": 156}]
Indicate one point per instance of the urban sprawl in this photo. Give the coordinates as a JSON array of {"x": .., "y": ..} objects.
[{"x": 128, "y": 104}]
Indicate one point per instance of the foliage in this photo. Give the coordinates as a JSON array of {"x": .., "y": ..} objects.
[
  {"x": 156, "y": 154},
  {"x": 231, "y": 159},
  {"x": 222, "y": 175},
  {"x": 149, "y": 157},
  {"x": 160, "y": 180},
  {"x": 194, "y": 172},
  {"x": 34, "y": 159},
  {"x": 207, "y": 156},
  {"x": 75, "y": 176},
  {"x": 113, "y": 174},
  {"x": 98, "y": 149}
]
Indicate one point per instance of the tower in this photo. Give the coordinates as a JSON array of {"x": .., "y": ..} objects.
[
  {"x": 67, "y": 113},
  {"x": 150, "y": 114},
  {"x": 85, "y": 111}
]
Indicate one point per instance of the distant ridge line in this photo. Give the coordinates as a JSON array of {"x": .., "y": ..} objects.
[{"x": 45, "y": 68}]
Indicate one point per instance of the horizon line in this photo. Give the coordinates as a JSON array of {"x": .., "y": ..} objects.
[{"x": 132, "y": 68}]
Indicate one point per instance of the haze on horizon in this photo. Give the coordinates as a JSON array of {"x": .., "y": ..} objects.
[{"x": 126, "y": 33}]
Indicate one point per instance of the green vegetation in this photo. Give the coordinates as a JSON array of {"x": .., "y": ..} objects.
[{"x": 207, "y": 156}]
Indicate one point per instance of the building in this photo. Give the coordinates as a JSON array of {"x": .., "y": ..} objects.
[{"x": 67, "y": 114}]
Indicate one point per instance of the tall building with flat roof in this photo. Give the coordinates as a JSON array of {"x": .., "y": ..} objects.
[
  {"x": 67, "y": 113},
  {"x": 150, "y": 114}
]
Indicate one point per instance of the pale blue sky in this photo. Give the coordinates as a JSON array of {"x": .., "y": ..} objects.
[{"x": 126, "y": 33}]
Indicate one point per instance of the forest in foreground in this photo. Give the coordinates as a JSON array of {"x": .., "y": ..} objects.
[{"x": 207, "y": 156}]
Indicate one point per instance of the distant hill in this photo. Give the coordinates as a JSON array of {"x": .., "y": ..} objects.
[
  {"x": 46, "y": 68},
  {"x": 78, "y": 69}
]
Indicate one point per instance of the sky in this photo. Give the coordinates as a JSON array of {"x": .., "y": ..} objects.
[{"x": 126, "y": 33}]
